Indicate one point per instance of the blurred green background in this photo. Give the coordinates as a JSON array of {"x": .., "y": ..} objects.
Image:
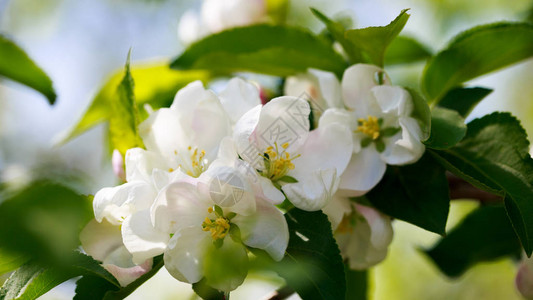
[{"x": 79, "y": 43}]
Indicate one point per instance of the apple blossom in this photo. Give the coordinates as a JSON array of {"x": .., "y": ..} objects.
[
  {"x": 362, "y": 233},
  {"x": 290, "y": 160},
  {"x": 215, "y": 216},
  {"x": 378, "y": 114}
]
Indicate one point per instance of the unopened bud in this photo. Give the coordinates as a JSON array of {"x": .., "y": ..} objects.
[{"x": 117, "y": 161}]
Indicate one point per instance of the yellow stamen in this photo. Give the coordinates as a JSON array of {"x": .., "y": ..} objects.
[
  {"x": 277, "y": 164},
  {"x": 219, "y": 227},
  {"x": 369, "y": 126}
]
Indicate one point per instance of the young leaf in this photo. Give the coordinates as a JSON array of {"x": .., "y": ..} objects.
[
  {"x": 124, "y": 120},
  {"x": 475, "y": 52},
  {"x": 484, "y": 235},
  {"x": 447, "y": 128},
  {"x": 312, "y": 265},
  {"x": 403, "y": 50},
  {"x": 337, "y": 30},
  {"x": 43, "y": 222},
  {"x": 374, "y": 41},
  {"x": 494, "y": 156},
  {"x": 463, "y": 100},
  {"x": 416, "y": 193},
  {"x": 268, "y": 49},
  {"x": 155, "y": 84},
  {"x": 16, "y": 65}
]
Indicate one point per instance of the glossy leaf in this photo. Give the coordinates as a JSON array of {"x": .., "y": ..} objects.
[
  {"x": 416, "y": 193},
  {"x": 494, "y": 156},
  {"x": 10, "y": 260},
  {"x": 374, "y": 41},
  {"x": 337, "y": 30},
  {"x": 476, "y": 52},
  {"x": 267, "y": 49},
  {"x": 484, "y": 235},
  {"x": 403, "y": 50},
  {"x": 447, "y": 128},
  {"x": 463, "y": 100},
  {"x": 155, "y": 84},
  {"x": 16, "y": 65},
  {"x": 43, "y": 222},
  {"x": 312, "y": 265},
  {"x": 124, "y": 120}
]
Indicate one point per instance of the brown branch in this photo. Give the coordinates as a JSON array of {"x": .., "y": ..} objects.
[{"x": 461, "y": 189}]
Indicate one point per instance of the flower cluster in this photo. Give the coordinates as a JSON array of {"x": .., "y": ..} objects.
[{"x": 217, "y": 169}]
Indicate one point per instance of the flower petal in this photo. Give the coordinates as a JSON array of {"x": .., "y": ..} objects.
[
  {"x": 364, "y": 171},
  {"x": 267, "y": 229},
  {"x": 270, "y": 192},
  {"x": 120, "y": 266},
  {"x": 185, "y": 253},
  {"x": 336, "y": 209},
  {"x": 330, "y": 88},
  {"x": 406, "y": 147},
  {"x": 313, "y": 191},
  {"x": 100, "y": 239},
  {"x": 244, "y": 134},
  {"x": 393, "y": 99},
  {"x": 140, "y": 163},
  {"x": 140, "y": 237},
  {"x": 356, "y": 84},
  {"x": 239, "y": 97}
]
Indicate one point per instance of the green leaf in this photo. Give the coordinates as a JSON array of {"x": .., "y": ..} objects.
[
  {"x": 92, "y": 287},
  {"x": 337, "y": 30},
  {"x": 494, "y": 156},
  {"x": 356, "y": 284},
  {"x": 124, "y": 120},
  {"x": 374, "y": 41},
  {"x": 421, "y": 112},
  {"x": 10, "y": 260},
  {"x": 43, "y": 222},
  {"x": 268, "y": 49},
  {"x": 484, "y": 235},
  {"x": 155, "y": 84},
  {"x": 475, "y": 52},
  {"x": 202, "y": 289},
  {"x": 463, "y": 100},
  {"x": 403, "y": 50},
  {"x": 312, "y": 265},
  {"x": 416, "y": 193},
  {"x": 16, "y": 65},
  {"x": 447, "y": 128},
  {"x": 288, "y": 179},
  {"x": 34, "y": 279}
]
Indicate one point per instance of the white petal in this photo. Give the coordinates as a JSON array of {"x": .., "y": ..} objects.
[
  {"x": 329, "y": 87},
  {"x": 364, "y": 171},
  {"x": 329, "y": 146},
  {"x": 313, "y": 191},
  {"x": 270, "y": 192},
  {"x": 140, "y": 163},
  {"x": 184, "y": 254},
  {"x": 393, "y": 99},
  {"x": 336, "y": 209},
  {"x": 267, "y": 230},
  {"x": 244, "y": 134},
  {"x": 239, "y": 97},
  {"x": 283, "y": 120},
  {"x": 356, "y": 84},
  {"x": 140, "y": 237},
  {"x": 100, "y": 239},
  {"x": 177, "y": 206},
  {"x": 190, "y": 27},
  {"x": 125, "y": 276},
  {"x": 220, "y": 15},
  {"x": 404, "y": 147}
]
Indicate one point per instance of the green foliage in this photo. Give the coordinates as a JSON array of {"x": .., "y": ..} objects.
[
  {"x": 416, "y": 193},
  {"x": 312, "y": 265},
  {"x": 10, "y": 260},
  {"x": 43, "y": 221},
  {"x": 202, "y": 289},
  {"x": 404, "y": 50},
  {"x": 338, "y": 30},
  {"x": 356, "y": 284},
  {"x": 267, "y": 49},
  {"x": 374, "y": 41},
  {"x": 475, "y": 52},
  {"x": 124, "y": 121},
  {"x": 484, "y": 235},
  {"x": 494, "y": 156},
  {"x": 34, "y": 279},
  {"x": 463, "y": 100},
  {"x": 16, "y": 65},
  {"x": 447, "y": 128},
  {"x": 155, "y": 84}
]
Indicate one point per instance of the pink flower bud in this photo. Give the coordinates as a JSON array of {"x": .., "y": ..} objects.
[{"x": 117, "y": 161}]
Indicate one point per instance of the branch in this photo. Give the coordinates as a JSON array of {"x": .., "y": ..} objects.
[{"x": 461, "y": 189}]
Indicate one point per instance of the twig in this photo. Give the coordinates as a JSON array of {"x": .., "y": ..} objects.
[{"x": 461, "y": 189}]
